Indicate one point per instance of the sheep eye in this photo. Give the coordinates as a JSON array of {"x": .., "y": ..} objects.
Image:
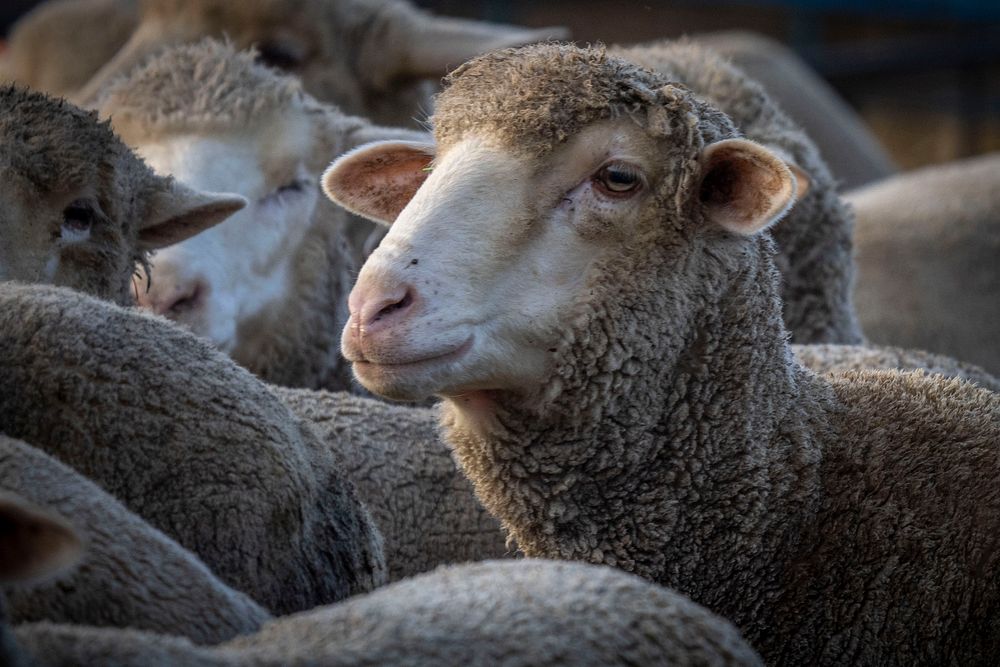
[
  {"x": 618, "y": 179},
  {"x": 280, "y": 55},
  {"x": 287, "y": 190},
  {"x": 78, "y": 218}
]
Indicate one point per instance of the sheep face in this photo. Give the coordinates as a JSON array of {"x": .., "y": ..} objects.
[
  {"x": 484, "y": 271},
  {"x": 213, "y": 282},
  {"x": 77, "y": 208},
  {"x": 366, "y": 56}
]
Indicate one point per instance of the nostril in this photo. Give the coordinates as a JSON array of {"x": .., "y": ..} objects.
[{"x": 391, "y": 308}]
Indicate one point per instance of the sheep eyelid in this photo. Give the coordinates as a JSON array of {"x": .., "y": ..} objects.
[
  {"x": 290, "y": 189},
  {"x": 600, "y": 180}
]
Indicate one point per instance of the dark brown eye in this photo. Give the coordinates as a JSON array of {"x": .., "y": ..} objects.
[
  {"x": 280, "y": 54},
  {"x": 618, "y": 179},
  {"x": 78, "y": 218}
]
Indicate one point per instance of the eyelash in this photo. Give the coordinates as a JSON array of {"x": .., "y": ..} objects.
[{"x": 285, "y": 191}]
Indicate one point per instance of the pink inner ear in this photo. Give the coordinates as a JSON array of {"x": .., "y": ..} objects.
[
  {"x": 380, "y": 185},
  {"x": 743, "y": 190}
]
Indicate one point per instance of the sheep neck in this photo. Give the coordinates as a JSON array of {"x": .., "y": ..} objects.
[{"x": 670, "y": 455}]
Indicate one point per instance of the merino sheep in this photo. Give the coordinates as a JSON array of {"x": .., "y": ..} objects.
[
  {"x": 421, "y": 502},
  {"x": 78, "y": 208},
  {"x": 131, "y": 574},
  {"x": 269, "y": 286},
  {"x": 61, "y": 44},
  {"x": 616, "y": 375},
  {"x": 847, "y": 146},
  {"x": 927, "y": 248},
  {"x": 508, "y": 613},
  {"x": 188, "y": 441},
  {"x": 369, "y": 57}
]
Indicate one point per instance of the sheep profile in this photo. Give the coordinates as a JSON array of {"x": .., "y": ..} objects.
[
  {"x": 373, "y": 58},
  {"x": 927, "y": 246},
  {"x": 617, "y": 379},
  {"x": 515, "y": 613},
  {"x": 188, "y": 441},
  {"x": 130, "y": 573},
  {"x": 80, "y": 209},
  {"x": 269, "y": 286}
]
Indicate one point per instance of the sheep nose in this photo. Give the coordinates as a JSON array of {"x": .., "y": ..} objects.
[
  {"x": 381, "y": 309},
  {"x": 175, "y": 301}
]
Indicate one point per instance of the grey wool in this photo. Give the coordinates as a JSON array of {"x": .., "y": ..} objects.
[
  {"x": 79, "y": 208},
  {"x": 421, "y": 502},
  {"x": 188, "y": 441},
  {"x": 927, "y": 247},
  {"x": 515, "y": 613},
  {"x": 131, "y": 575},
  {"x": 848, "y": 519}
]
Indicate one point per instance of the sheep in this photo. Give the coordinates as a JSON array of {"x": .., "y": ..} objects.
[
  {"x": 927, "y": 245},
  {"x": 509, "y": 613},
  {"x": 60, "y": 44},
  {"x": 132, "y": 575},
  {"x": 371, "y": 58},
  {"x": 79, "y": 209},
  {"x": 848, "y": 147},
  {"x": 423, "y": 505},
  {"x": 188, "y": 441},
  {"x": 616, "y": 376},
  {"x": 269, "y": 286}
]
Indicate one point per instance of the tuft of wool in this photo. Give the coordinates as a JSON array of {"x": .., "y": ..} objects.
[{"x": 187, "y": 440}]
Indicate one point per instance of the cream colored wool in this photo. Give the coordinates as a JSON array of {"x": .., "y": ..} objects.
[
  {"x": 927, "y": 247},
  {"x": 841, "y": 520},
  {"x": 131, "y": 575},
  {"x": 208, "y": 89},
  {"x": 60, "y": 44},
  {"x": 505, "y": 613},
  {"x": 188, "y": 441},
  {"x": 422, "y": 504}
]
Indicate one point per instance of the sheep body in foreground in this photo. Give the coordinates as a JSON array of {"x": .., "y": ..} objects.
[
  {"x": 187, "y": 440},
  {"x": 511, "y": 613},
  {"x": 80, "y": 209},
  {"x": 616, "y": 375},
  {"x": 406, "y": 475},
  {"x": 131, "y": 575},
  {"x": 269, "y": 286},
  {"x": 927, "y": 246}
]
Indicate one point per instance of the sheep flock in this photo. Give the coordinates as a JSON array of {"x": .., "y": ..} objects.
[{"x": 337, "y": 332}]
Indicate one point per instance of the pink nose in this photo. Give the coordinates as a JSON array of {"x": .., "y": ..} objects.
[
  {"x": 180, "y": 298},
  {"x": 373, "y": 310}
]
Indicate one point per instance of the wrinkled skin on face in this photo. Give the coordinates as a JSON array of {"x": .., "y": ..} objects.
[
  {"x": 369, "y": 57},
  {"x": 77, "y": 208}
]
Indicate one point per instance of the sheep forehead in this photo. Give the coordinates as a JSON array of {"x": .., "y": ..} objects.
[
  {"x": 207, "y": 86},
  {"x": 536, "y": 97}
]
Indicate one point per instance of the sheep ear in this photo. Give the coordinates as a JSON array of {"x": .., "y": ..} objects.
[
  {"x": 377, "y": 181},
  {"x": 33, "y": 543},
  {"x": 411, "y": 44},
  {"x": 745, "y": 187},
  {"x": 177, "y": 212}
]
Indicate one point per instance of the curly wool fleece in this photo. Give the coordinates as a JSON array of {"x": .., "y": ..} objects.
[
  {"x": 532, "y": 106},
  {"x": 850, "y": 520}
]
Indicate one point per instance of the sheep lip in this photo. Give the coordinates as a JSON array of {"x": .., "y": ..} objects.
[{"x": 450, "y": 355}]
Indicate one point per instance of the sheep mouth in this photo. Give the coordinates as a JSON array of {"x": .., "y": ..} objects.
[{"x": 452, "y": 354}]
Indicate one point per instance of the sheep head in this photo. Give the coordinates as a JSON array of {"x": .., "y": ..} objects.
[
  {"x": 369, "y": 57},
  {"x": 563, "y": 181},
  {"x": 78, "y": 208}
]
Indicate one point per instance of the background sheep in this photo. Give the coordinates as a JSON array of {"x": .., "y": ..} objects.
[
  {"x": 617, "y": 379},
  {"x": 81, "y": 210},
  {"x": 131, "y": 574},
  {"x": 369, "y": 57},
  {"x": 59, "y": 45},
  {"x": 269, "y": 287},
  {"x": 406, "y": 475},
  {"x": 188, "y": 441},
  {"x": 927, "y": 248},
  {"x": 512, "y": 613}
]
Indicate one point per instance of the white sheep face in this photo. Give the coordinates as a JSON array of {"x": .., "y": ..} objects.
[
  {"x": 475, "y": 286},
  {"x": 222, "y": 278}
]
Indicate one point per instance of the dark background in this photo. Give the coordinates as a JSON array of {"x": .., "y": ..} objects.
[{"x": 924, "y": 74}]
